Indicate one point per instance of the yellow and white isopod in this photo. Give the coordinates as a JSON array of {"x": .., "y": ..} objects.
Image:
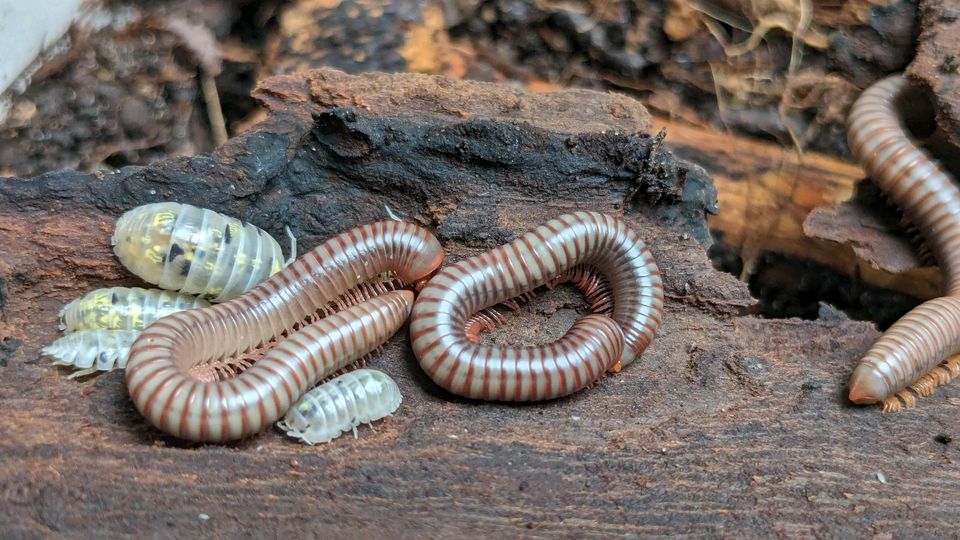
[
  {"x": 340, "y": 405},
  {"x": 183, "y": 248},
  {"x": 123, "y": 308}
]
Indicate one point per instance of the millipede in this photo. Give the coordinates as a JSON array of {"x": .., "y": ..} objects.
[
  {"x": 158, "y": 373},
  {"x": 914, "y": 355},
  {"x": 340, "y": 405},
  {"x": 443, "y": 323},
  {"x": 183, "y": 248}
]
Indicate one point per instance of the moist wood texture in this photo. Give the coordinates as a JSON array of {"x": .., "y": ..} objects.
[
  {"x": 937, "y": 64},
  {"x": 727, "y": 426}
]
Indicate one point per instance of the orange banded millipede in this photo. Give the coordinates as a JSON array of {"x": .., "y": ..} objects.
[
  {"x": 158, "y": 373},
  {"x": 906, "y": 361},
  {"x": 440, "y": 323}
]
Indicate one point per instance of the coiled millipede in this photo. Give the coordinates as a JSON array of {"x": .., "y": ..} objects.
[
  {"x": 906, "y": 361},
  {"x": 340, "y": 405},
  {"x": 193, "y": 250},
  {"x": 596, "y": 343},
  {"x": 158, "y": 374},
  {"x": 101, "y": 325}
]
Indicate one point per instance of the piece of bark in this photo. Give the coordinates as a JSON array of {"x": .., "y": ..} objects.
[
  {"x": 726, "y": 424},
  {"x": 937, "y": 64},
  {"x": 870, "y": 228}
]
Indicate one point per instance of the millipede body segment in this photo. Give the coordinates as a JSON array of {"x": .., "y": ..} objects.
[
  {"x": 158, "y": 372},
  {"x": 596, "y": 343},
  {"x": 193, "y": 250},
  {"x": 340, "y": 405},
  {"x": 906, "y": 357}
]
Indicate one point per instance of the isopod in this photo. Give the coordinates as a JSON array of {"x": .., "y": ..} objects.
[
  {"x": 180, "y": 247},
  {"x": 904, "y": 361},
  {"x": 340, "y": 405},
  {"x": 441, "y": 321},
  {"x": 123, "y": 308},
  {"x": 90, "y": 351},
  {"x": 158, "y": 373}
]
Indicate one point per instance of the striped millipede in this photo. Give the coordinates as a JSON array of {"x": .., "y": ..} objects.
[
  {"x": 193, "y": 250},
  {"x": 340, "y": 405},
  {"x": 904, "y": 361},
  {"x": 157, "y": 373},
  {"x": 593, "y": 345}
]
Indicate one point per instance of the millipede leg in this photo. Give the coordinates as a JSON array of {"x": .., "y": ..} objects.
[
  {"x": 586, "y": 278},
  {"x": 891, "y": 404},
  {"x": 938, "y": 376}
]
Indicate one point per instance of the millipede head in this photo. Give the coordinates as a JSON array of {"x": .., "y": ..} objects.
[
  {"x": 867, "y": 386},
  {"x": 425, "y": 265}
]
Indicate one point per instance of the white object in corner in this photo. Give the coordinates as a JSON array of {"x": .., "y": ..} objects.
[{"x": 27, "y": 29}]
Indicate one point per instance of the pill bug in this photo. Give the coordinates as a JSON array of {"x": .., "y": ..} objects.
[
  {"x": 102, "y": 325},
  {"x": 183, "y": 248},
  {"x": 340, "y": 405},
  {"x": 158, "y": 372},
  {"x": 594, "y": 344},
  {"x": 123, "y": 308},
  {"x": 905, "y": 361},
  {"x": 90, "y": 351}
]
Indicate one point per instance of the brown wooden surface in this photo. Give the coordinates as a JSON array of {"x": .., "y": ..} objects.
[{"x": 728, "y": 426}]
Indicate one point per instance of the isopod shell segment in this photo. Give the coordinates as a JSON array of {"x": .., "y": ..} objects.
[
  {"x": 123, "y": 308},
  {"x": 157, "y": 374},
  {"x": 92, "y": 350},
  {"x": 592, "y": 346},
  {"x": 930, "y": 200},
  {"x": 340, "y": 405},
  {"x": 193, "y": 250}
]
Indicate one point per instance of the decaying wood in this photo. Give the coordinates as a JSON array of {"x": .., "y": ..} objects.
[
  {"x": 937, "y": 64},
  {"x": 728, "y": 425}
]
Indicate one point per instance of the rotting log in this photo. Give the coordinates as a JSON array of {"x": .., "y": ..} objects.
[{"x": 728, "y": 425}]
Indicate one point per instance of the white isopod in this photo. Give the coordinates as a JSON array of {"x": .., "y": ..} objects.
[
  {"x": 183, "y": 248},
  {"x": 92, "y": 350},
  {"x": 124, "y": 308},
  {"x": 340, "y": 405}
]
